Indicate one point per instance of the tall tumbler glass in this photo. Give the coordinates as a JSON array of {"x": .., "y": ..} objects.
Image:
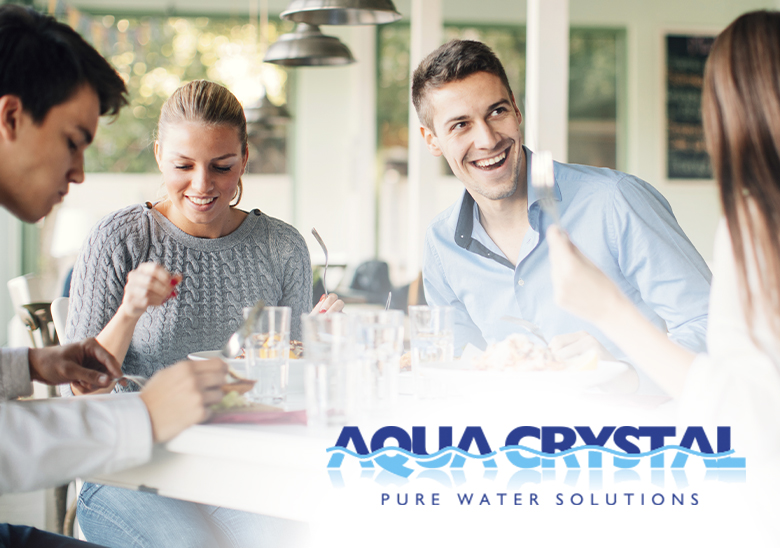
[
  {"x": 332, "y": 375},
  {"x": 268, "y": 354},
  {"x": 380, "y": 344},
  {"x": 431, "y": 338}
]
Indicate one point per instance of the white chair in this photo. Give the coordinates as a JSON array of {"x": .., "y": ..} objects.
[
  {"x": 59, "y": 315},
  {"x": 29, "y": 303}
]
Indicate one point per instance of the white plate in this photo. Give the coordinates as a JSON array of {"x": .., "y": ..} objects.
[
  {"x": 238, "y": 364},
  {"x": 296, "y": 368},
  {"x": 462, "y": 375}
]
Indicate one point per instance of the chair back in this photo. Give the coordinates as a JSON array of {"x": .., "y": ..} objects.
[{"x": 59, "y": 315}]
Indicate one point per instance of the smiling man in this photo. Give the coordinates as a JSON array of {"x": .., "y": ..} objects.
[{"x": 487, "y": 255}]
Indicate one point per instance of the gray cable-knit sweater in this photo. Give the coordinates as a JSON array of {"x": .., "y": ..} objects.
[{"x": 264, "y": 258}]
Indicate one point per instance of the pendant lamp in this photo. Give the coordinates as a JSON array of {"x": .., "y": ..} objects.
[
  {"x": 307, "y": 46},
  {"x": 341, "y": 12}
]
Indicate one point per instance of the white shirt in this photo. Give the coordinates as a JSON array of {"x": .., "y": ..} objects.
[
  {"x": 44, "y": 443},
  {"x": 738, "y": 383}
]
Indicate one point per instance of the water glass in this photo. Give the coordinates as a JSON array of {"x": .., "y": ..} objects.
[
  {"x": 268, "y": 354},
  {"x": 431, "y": 338},
  {"x": 380, "y": 344},
  {"x": 332, "y": 375}
]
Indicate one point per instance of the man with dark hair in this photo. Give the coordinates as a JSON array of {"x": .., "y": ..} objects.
[
  {"x": 53, "y": 89},
  {"x": 487, "y": 254}
]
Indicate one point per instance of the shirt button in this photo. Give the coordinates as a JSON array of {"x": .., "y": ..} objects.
[{"x": 520, "y": 282}]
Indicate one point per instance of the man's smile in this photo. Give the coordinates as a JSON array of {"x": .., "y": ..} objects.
[{"x": 493, "y": 162}]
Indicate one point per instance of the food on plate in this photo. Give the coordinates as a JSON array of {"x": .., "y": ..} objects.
[
  {"x": 296, "y": 350},
  {"x": 231, "y": 400},
  {"x": 518, "y": 353}
]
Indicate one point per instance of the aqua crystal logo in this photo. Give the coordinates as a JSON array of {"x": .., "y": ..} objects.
[{"x": 575, "y": 447}]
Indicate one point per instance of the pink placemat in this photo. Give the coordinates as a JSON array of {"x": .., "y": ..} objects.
[{"x": 258, "y": 417}]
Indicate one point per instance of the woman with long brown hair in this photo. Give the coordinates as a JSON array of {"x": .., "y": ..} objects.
[{"x": 740, "y": 378}]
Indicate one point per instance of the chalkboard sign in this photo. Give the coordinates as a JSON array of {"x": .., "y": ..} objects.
[{"x": 686, "y": 152}]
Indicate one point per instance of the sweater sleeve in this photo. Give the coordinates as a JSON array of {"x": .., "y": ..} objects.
[
  {"x": 113, "y": 249},
  {"x": 15, "y": 379}
]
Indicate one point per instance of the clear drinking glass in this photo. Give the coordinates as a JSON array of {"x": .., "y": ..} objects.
[
  {"x": 268, "y": 354},
  {"x": 431, "y": 338},
  {"x": 380, "y": 344},
  {"x": 332, "y": 375}
]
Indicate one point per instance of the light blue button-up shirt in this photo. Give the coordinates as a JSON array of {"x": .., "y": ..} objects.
[{"x": 618, "y": 221}]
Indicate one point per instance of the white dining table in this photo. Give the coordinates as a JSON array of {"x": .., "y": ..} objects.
[
  {"x": 256, "y": 468},
  {"x": 282, "y": 471},
  {"x": 265, "y": 468}
]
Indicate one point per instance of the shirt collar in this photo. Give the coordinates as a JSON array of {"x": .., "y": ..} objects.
[{"x": 463, "y": 212}]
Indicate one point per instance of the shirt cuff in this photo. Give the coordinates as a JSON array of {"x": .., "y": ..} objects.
[
  {"x": 15, "y": 381},
  {"x": 133, "y": 429}
]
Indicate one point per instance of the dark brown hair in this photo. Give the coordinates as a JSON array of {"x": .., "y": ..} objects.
[
  {"x": 741, "y": 114},
  {"x": 455, "y": 60},
  {"x": 207, "y": 103},
  {"x": 44, "y": 63}
]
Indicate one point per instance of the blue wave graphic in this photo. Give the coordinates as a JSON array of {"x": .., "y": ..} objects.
[
  {"x": 455, "y": 457},
  {"x": 618, "y": 453},
  {"x": 414, "y": 456},
  {"x": 448, "y": 450}
]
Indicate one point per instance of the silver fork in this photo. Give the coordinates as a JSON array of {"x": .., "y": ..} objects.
[
  {"x": 140, "y": 381},
  {"x": 324, "y": 250},
  {"x": 543, "y": 180}
]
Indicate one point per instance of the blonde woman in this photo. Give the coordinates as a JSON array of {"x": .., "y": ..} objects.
[{"x": 157, "y": 281}]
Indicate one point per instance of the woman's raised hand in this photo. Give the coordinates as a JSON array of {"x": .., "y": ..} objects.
[
  {"x": 580, "y": 287},
  {"x": 148, "y": 285},
  {"x": 329, "y": 303}
]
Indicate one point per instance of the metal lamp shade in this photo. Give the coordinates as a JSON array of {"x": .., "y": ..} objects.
[
  {"x": 341, "y": 12},
  {"x": 306, "y": 47}
]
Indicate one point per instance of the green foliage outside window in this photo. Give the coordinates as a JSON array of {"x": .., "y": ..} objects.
[{"x": 155, "y": 55}]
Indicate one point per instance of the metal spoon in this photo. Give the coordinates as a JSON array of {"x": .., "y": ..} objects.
[
  {"x": 236, "y": 341},
  {"x": 389, "y": 297},
  {"x": 528, "y": 326},
  {"x": 324, "y": 250}
]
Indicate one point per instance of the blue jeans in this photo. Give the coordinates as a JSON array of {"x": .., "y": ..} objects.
[{"x": 119, "y": 517}]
